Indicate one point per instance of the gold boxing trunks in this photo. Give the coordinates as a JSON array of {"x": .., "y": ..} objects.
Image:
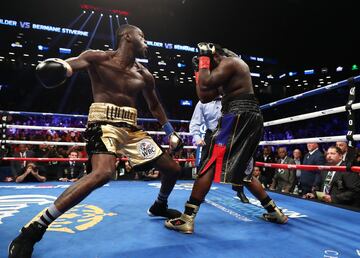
[{"x": 112, "y": 129}]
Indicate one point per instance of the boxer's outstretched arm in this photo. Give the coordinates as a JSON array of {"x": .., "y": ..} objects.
[
  {"x": 84, "y": 60},
  {"x": 53, "y": 72},
  {"x": 152, "y": 99}
]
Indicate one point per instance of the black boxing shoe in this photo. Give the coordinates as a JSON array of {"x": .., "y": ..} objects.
[
  {"x": 161, "y": 210},
  {"x": 23, "y": 245},
  {"x": 242, "y": 197}
]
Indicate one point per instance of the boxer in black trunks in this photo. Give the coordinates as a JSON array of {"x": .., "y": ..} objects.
[
  {"x": 234, "y": 142},
  {"x": 117, "y": 79}
]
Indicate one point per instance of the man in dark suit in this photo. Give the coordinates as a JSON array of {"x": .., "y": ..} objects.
[
  {"x": 283, "y": 179},
  {"x": 338, "y": 187},
  {"x": 349, "y": 153},
  {"x": 71, "y": 171},
  {"x": 309, "y": 179},
  {"x": 18, "y": 166},
  {"x": 267, "y": 173}
]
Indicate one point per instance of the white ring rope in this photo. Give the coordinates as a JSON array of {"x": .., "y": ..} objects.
[
  {"x": 307, "y": 140},
  {"x": 74, "y": 129},
  {"x": 269, "y": 123},
  {"x": 311, "y": 115},
  {"x": 55, "y": 128},
  {"x": 67, "y": 143}
]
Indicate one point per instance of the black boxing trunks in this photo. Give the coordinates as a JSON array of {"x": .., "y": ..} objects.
[
  {"x": 235, "y": 140},
  {"x": 113, "y": 130}
]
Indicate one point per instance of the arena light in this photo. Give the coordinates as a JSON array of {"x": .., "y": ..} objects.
[
  {"x": 42, "y": 48},
  {"x": 185, "y": 102},
  {"x": 310, "y": 71},
  {"x": 181, "y": 65},
  {"x": 282, "y": 76},
  {"x": 292, "y": 73},
  {"x": 339, "y": 68},
  {"x": 112, "y": 34},
  {"x": 16, "y": 44},
  {"x": 142, "y": 60},
  {"x": 102, "y": 9},
  {"x": 63, "y": 50},
  {"x": 324, "y": 70},
  {"x": 255, "y": 74},
  {"x": 161, "y": 63},
  {"x": 354, "y": 67}
]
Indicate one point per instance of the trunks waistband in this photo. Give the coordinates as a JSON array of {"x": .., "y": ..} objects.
[
  {"x": 241, "y": 103},
  {"x": 110, "y": 113}
]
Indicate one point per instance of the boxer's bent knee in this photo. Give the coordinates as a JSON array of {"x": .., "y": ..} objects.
[{"x": 99, "y": 178}]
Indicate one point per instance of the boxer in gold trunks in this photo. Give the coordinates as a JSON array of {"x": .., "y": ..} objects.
[{"x": 117, "y": 79}]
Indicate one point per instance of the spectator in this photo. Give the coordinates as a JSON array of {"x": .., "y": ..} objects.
[
  {"x": 283, "y": 179},
  {"x": 18, "y": 166},
  {"x": 257, "y": 174},
  {"x": 309, "y": 179},
  {"x": 297, "y": 156},
  {"x": 71, "y": 171},
  {"x": 30, "y": 173},
  {"x": 152, "y": 174},
  {"x": 348, "y": 153},
  {"x": 267, "y": 173},
  {"x": 338, "y": 187}
]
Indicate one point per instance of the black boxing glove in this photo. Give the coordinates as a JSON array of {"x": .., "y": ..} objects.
[
  {"x": 206, "y": 49},
  {"x": 195, "y": 64},
  {"x": 175, "y": 142},
  {"x": 53, "y": 72}
]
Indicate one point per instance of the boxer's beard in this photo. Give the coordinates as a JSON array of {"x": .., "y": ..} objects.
[{"x": 142, "y": 53}]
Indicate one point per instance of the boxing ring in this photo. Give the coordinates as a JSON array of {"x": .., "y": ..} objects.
[
  {"x": 112, "y": 222},
  {"x": 108, "y": 224}
]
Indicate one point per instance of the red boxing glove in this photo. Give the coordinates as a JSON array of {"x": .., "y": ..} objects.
[
  {"x": 204, "y": 62},
  {"x": 197, "y": 78}
]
